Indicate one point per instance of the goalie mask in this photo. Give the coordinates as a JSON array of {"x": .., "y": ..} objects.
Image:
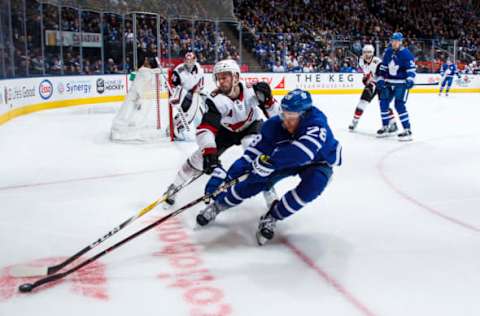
[{"x": 190, "y": 60}]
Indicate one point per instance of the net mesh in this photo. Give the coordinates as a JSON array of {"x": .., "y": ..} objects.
[{"x": 144, "y": 115}]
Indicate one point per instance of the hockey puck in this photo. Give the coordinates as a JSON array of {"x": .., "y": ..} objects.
[{"x": 25, "y": 288}]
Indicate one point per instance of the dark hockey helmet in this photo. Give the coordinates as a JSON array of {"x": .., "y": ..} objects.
[
  {"x": 297, "y": 100},
  {"x": 397, "y": 36}
]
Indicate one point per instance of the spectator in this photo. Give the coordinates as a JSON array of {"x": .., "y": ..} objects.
[{"x": 278, "y": 67}]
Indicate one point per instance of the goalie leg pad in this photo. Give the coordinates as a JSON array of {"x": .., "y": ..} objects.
[{"x": 187, "y": 102}]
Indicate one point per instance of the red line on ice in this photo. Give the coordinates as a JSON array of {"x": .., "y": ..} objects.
[
  {"x": 406, "y": 196},
  {"x": 329, "y": 279},
  {"x": 21, "y": 186}
]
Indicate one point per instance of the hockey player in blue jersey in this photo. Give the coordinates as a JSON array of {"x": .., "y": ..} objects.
[
  {"x": 396, "y": 77},
  {"x": 447, "y": 71},
  {"x": 296, "y": 142}
]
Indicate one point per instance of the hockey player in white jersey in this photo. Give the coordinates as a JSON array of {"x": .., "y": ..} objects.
[
  {"x": 233, "y": 117},
  {"x": 471, "y": 68},
  {"x": 368, "y": 62},
  {"x": 187, "y": 81}
]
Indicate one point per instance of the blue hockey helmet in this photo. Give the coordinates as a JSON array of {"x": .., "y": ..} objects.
[
  {"x": 297, "y": 100},
  {"x": 397, "y": 36}
]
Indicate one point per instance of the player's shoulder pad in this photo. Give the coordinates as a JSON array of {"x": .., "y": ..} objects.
[
  {"x": 405, "y": 52},
  {"x": 179, "y": 68},
  {"x": 219, "y": 100},
  {"x": 210, "y": 103},
  {"x": 272, "y": 126},
  {"x": 214, "y": 93},
  {"x": 199, "y": 68},
  {"x": 195, "y": 68},
  {"x": 315, "y": 117}
]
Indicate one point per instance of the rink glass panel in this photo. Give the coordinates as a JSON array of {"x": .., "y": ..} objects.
[
  {"x": 114, "y": 48},
  {"x": 31, "y": 42},
  {"x": 71, "y": 53},
  {"x": 51, "y": 23},
  {"x": 92, "y": 56},
  {"x": 34, "y": 38},
  {"x": 205, "y": 41}
]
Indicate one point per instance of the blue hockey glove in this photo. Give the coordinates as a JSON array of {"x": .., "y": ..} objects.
[
  {"x": 409, "y": 83},
  {"x": 238, "y": 168},
  {"x": 262, "y": 166},
  {"x": 219, "y": 175}
]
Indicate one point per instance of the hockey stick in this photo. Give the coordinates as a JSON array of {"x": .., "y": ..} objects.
[
  {"x": 29, "y": 271},
  {"x": 179, "y": 108},
  {"x": 28, "y": 287},
  {"x": 427, "y": 84}
]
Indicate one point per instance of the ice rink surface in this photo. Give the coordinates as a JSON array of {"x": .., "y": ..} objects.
[{"x": 397, "y": 232}]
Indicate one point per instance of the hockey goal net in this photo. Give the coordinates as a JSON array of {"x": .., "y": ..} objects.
[{"x": 145, "y": 115}]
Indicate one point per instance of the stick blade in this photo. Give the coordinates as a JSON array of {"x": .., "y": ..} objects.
[{"x": 23, "y": 271}]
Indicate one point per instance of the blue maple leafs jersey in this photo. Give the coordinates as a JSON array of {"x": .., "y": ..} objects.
[
  {"x": 313, "y": 142},
  {"x": 449, "y": 70},
  {"x": 397, "y": 65}
]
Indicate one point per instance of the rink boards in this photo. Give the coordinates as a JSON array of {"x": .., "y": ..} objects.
[{"x": 27, "y": 95}]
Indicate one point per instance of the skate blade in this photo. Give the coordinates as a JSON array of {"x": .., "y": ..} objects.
[
  {"x": 405, "y": 139},
  {"x": 385, "y": 135},
  {"x": 167, "y": 206},
  {"x": 260, "y": 239}
]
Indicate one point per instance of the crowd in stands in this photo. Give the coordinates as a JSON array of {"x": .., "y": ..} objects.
[
  {"x": 301, "y": 35},
  {"x": 202, "y": 38},
  {"x": 283, "y": 35}
]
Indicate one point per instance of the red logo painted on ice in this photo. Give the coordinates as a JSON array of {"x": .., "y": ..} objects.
[
  {"x": 190, "y": 274},
  {"x": 90, "y": 281}
]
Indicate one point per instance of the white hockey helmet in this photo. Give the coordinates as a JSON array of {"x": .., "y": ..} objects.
[
  {"x": 226, "y": 65},
  {"x": 368, "y": 50}
]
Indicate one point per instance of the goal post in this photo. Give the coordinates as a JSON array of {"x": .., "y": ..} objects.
[{"x": 145, "y": 115}]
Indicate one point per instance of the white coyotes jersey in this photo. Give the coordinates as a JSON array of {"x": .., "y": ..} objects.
[
  {"x": 189, "y": 78},
  {"x": 238, "y": 114},
  {"x": 235, "y": 115},
  {"x": 370, "y": 68}
]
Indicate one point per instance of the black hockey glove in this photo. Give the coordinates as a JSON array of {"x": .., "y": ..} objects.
[
  {"x": 264, "y": 95},
  {"x": 365, "y": 80},
  {"x": 210, "y": 160}
]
